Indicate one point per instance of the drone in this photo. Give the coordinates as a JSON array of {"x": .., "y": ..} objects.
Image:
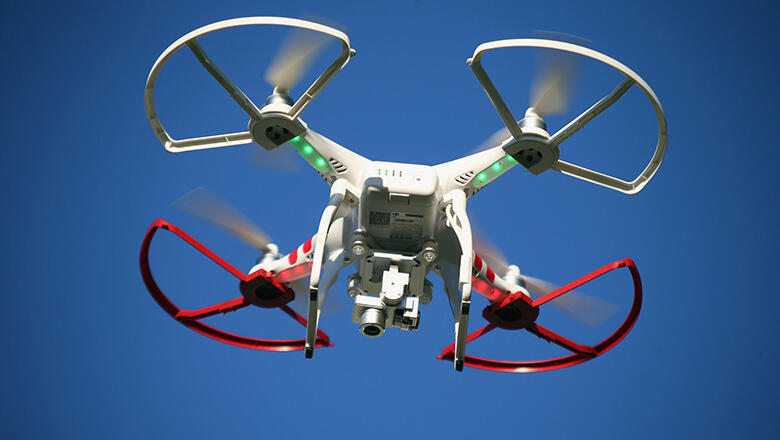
[{"x": 394, "y": 223}]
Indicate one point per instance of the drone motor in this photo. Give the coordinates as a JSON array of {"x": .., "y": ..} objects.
[
  {"x": 274, "y": 127},
  {"x": 533, "y": 150}
]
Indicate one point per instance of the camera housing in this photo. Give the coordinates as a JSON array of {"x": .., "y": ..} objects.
[{"x": 374, "y": 316}]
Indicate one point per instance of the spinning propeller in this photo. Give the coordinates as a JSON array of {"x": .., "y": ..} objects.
[
  {"x": 205, "y": 205},
  {"x": 279, "y": 160},
  {"x": 556, "y": 74},
  {"x": 584, "y": 308},
  {"x": 294, "y": 58}
]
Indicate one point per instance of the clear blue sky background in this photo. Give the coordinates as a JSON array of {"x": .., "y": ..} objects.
[{"x": 86, "y": 353}]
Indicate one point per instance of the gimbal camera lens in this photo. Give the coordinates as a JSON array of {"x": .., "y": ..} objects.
[{"x": 372, "y": 323}]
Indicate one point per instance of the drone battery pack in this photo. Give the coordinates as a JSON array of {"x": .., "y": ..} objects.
[{"x": 398, "y": 205}]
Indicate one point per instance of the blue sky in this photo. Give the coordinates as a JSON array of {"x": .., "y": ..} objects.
[{"x": 88, "y": 354}]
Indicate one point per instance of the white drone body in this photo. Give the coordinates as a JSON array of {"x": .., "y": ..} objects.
[{"x": 395, "y": 223}]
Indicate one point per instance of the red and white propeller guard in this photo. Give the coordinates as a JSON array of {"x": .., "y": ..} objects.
[
  {"x": 517, "y": 302},
  {"x": 530, "y": 310},
  {"x": 191, "y": 318}
]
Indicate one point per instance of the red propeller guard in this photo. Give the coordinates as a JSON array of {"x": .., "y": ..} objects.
[
  {"x": 257, "y": 289},
  {"x": 518, "y": 312}
]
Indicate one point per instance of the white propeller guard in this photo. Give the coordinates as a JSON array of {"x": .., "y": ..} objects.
[
  {"x": 230, "y": 139},
  {"x": 567, "y": 168}
]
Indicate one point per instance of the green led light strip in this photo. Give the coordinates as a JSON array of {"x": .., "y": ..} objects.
[
  {"x": 490, "y": 173},
  {"x": 310, "y": 154}
]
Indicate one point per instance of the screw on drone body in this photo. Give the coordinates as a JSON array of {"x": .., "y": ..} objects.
[
  {"x": 353, "y": 285},
  {"x": 429, "y": 252},
  {"x": 359, "y": 249}
]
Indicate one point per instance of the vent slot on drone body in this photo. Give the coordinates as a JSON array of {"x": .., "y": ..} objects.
[
  {"x": 464, "y": 178},
  {"x": 337, "y": 166}
]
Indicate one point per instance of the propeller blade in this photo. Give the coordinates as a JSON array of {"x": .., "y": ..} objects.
[
  {"x": 555, "y": 77},
  {"x": 494, "y": 140},
  {"x": 301, "y": 289},
  {"x": 586, "y": 309},
  {"x": 205, "y": 205},
  {"x": 334, "y": 303},
  {"x": 281, "y": 159},
  {"x": 294, "y": 57},
  {"x": 490, "y": 254}
]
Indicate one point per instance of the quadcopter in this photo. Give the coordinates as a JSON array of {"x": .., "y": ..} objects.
[{"x": 395, "y": 224}]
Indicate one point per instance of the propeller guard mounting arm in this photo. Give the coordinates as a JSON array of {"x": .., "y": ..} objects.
[
  {"x": 517, "y": 311},
  {"x": 259, "y": 288}
]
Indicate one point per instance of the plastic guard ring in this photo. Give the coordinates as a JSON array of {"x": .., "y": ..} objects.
[
  {"x": 260, "y": 289},
  {"x": 517, "y": 311}
]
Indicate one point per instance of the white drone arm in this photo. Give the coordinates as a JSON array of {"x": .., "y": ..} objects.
[
  {"x": 291, "y": 267},
  {"x": 332, "y": 161},
  {"x": 472, "y": 173},
  {"x": 493, "y": 286}
]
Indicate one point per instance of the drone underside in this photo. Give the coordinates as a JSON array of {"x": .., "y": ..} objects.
[{"x": 395, "y": 223}]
